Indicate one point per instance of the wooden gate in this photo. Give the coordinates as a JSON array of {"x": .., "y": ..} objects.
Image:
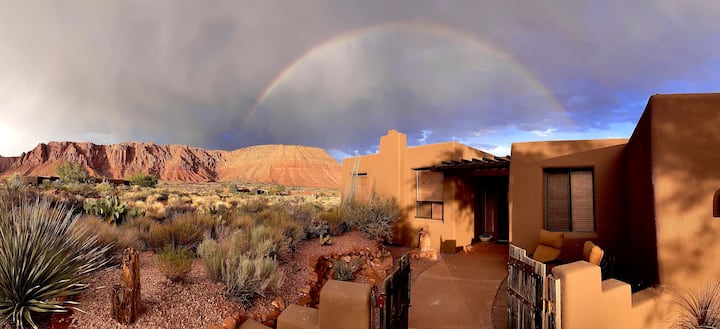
[
  {"x": 394, "y": 300},
  {"x": 533, "y": 295}
]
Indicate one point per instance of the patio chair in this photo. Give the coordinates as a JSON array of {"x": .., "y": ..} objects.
[
  {"x": 549, "y": 247},
  {"x": 592, "y": 253}
]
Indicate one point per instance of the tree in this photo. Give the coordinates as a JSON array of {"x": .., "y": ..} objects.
[
  {"x": 143, "y": 179},
  {"x": 72, "y": 172}
]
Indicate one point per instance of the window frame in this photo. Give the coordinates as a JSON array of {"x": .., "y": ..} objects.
[
  {"x": 568, "y": 172},
  {"x": 432, "y": 203}
]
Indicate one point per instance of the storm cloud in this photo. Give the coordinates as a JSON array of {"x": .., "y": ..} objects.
[{"x": 338, "y": 74}]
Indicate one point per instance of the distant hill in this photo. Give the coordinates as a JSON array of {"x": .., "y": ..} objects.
[{"x": 290, "y": 165}]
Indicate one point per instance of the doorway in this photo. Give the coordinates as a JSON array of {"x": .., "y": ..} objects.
[{"x": 491, "y": 208}]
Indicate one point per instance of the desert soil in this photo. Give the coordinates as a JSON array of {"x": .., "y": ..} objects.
[{"x": 199, "y": 302}]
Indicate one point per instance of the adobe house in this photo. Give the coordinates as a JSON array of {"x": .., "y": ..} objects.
[
  {"x": 652, "y": 201},
  {"x": 452, "y": 190}
]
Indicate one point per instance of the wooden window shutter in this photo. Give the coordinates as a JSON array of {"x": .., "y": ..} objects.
[
  {"x": 430, "y": 186},
  {"x": 558, "y": 201},
  {"x": 581, "y": 187}
]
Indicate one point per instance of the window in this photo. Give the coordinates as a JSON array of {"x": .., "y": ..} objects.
[
  {"x": 569, "y": 200},
  {"x": 429, "y": 194},
  {"x": 360, "y": 187}
]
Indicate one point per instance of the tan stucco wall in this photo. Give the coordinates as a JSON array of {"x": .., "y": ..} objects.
[
  {"x": 527, "y": 191},
  {"x": 588, "y": 303},
  {"x": 390, "y": 172},
  {"x": 685, "y": 136}
]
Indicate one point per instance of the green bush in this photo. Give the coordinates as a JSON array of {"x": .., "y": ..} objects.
[
  {"x": 49, "y": 260},
  {"x": 175, "y": 263},
  {"x": 374, "y": 218},
  {"x": 143, "y": 179},
  {"x": 111, "y": 208},
  {"x": 72, "y": 172},
  {"x": 345, "y": 271}
]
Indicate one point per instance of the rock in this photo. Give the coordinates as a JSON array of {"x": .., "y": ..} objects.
[
  {"x": 229, "y": 323},
  {"x": 305, "y": 290},
  {"x": 212, "y": 326},
  {"x": 279, "y": 304}
]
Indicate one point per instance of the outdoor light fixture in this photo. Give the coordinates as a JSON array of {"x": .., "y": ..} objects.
[{"x": 716, "y": 204}]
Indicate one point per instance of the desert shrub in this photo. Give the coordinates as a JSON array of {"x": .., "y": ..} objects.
[
  {"x": 374, "y": 218},
  {"x": 51, "y": 259},
  {"x": 155, "y": 210},
  {"x": 174, "y": 263},
  {"x": 158, "y": 236},
  {"x": 335, "y": 218},
  {"x": 104, "y": 187},
  {"x": 288, "y": 232},
  {"x": 187, "y": 230},
  {"x": 246, "y": 278},
  {"x": 254, "y": 205},
  {"x": 118, "y": 238},
  {"x": 697, "y": 308},
  {"x": 142, "y": 179},
  {"x": 213, "y": 256},
  {"x": 345, "y": 271},
  {"x": 307, "y": 216},
  {"x": 14, "y": 182},
  {"x": 245, "y": 262},
  {"x": 72, "y": 172}
]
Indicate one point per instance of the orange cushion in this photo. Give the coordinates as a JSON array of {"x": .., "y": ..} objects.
[
  {"x": 545, "y": 254},
  {"x": 596, "y": 255},
  {"x": 552, "y": 239},
  {"x": 587, "y": 248}
]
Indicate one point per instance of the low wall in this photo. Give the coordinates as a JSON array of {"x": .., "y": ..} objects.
[
  {"x": 588, "y": 302},
  {"x": 343, "y": 305}
]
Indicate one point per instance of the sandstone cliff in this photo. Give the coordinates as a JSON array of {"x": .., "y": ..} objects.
[
  {"x": 279, "y": 164},
  {"x": 6, "y": 162}
]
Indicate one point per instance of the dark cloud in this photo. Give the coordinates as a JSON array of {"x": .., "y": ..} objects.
[{"x": 192, "y": 72}]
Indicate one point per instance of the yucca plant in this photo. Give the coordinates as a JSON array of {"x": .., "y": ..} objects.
[
  {"x": 697, "y": 308},
  {"x": 44, "y": 258}
]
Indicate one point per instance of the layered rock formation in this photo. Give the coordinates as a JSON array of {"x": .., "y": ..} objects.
[{"x": 278, "y": 164}]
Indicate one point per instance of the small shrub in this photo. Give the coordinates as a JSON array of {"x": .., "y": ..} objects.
[
  {"x": 325, "y": 240},
  {"x": 104, "y": 187},
  {"x": 175, "y": 263},
  {"x": 142, "y": 179},
  {"x": 158, "y": 236},
  {"x": 119, "y": 238},
  {"x": 246, "y": 278},
  {"x": 50, "y": 260},
  {"x": 375, "y": 219},
  {"x": 345, "y": 271},
  {"x": 213, "y": 257},
  {"x": 14, "y": 182},
  {"x": 697, "y": 308},
  {"x": 335, "y": 218},
  {"x": 72, "y": 172},
  {"x": 187, "y": 231}
]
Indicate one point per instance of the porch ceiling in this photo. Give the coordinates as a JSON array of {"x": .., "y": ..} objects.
[{"x": 485, "y": 166}]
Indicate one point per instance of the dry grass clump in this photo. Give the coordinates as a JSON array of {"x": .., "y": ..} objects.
[
  {"x": 118, "y": 237},
  {"x": 174, "y": 263}
]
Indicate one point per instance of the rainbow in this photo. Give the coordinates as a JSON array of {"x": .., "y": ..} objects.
[{"x": 423, "y": 27}]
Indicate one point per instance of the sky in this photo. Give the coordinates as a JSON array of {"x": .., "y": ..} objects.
[{"x": 338, "y": 74}]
